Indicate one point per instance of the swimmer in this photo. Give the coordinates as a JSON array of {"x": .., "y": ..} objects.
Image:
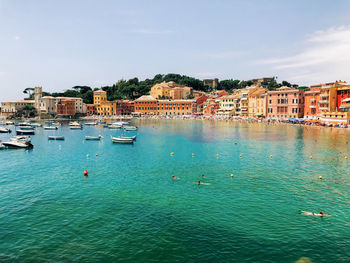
[
  {"x": 203, "y": 176},
  {"x": 322, "y": 214},
  {"x": 199, "y": 183},
  {"x": 175, "y": 178}
]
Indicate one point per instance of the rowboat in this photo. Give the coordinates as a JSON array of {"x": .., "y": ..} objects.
[
  {"x": 114, "y": 126},
  {"x": 91, "y": 123},
  {"x": 129, "y": 128},
  {"x": 93, "y": 138},
  {"x": 124, "y": 140},
  {"x": 56, "y": 138}
]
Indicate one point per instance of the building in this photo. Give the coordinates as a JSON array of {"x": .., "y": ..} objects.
[
  {"x": 198, "y": 105},
  {"x": 312, "y": 106},
  {"x": 285, "y": 102},
  {"x": 91, "y": 109},
  {"x": 336, "y": 117},
  {"x": 343, "y": 98},
  {"x": 176, "y": 93},
  {"x": 174, "y": 107},
  {"x": 227, "y": 105},
  {"x": 257, "y": 105},
  {"x": 211, "y": 83},
  {"x": 161, "y": 90},
  {"x": 328, "y": 97},
  {"x": 170, "y": 90},
  {"x": 124, "y": 107},
  {"x": 100, "y": 96},
  {"x": 219, "y": 93},
  {"x": 260, "y": 81},
  {"x": 9, "y": 108},
  {"x": 65, "y": 107},
  {"x": 146, "y": 104},
  {"x": 103, "y": 106},
  {"x": 243, "y": 106}
]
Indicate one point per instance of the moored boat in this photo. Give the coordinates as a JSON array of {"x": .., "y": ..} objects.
[
  {"x": 91, "y": 123},
  {"x": 25, "y": 132},
  {"x": 36, "y": 124},
  {"x": 129, "y": 128},
  {"x": 5, "y": 130},
  {"x": 76, "y": 127},
  {"x": 55, "y": 138},
  {"x": 9, "y": 123},
  {"x": 16, "y": 142},
  {"x": 93, "y": 138},
  {"x": 125, "y": 140},
  {"x": 114, "y": 126},
  {"x": 50, "y": 128},
  {"x": 26, "y": 127}
]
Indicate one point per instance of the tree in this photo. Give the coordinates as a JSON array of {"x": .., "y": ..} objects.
[
  {"x": 29, "y": 91},
  {"x": 286, "y": 83}
]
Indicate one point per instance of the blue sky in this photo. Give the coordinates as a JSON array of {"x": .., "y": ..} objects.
[{"x": 59, "y": 44}]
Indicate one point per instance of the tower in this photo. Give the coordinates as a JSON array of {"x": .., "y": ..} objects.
[{"x": 38, "y": 92}]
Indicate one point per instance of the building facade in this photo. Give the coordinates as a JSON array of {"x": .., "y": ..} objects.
[
  {"x": 124, "y": 107},
  {"x": 257, "y": 104},
  {"x": 211, "y": 83},
  {"x": 285, "y": 102},
  {"x": 146, "y": 104},
  {"x": 65, "y": 107},
  {"x": 175, "y": 107},
  {"x": 9, "y": 108},
  {"x": 312, "y": 106}
]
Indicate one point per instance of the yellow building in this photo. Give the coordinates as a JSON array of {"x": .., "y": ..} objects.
[
  {"x": 103, "y": 106},
  {"x": 257, "y": 102},
  {"x": 160, "y": 90}
]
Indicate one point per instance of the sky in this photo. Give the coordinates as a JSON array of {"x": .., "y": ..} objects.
[{"x": 61, "y": 44}]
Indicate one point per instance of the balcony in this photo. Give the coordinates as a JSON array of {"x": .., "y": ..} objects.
[
  {"x": 244, "y": 99},
  {"x": 324, "y": 95},
  {"x": 312, "y": 100},
  {"x": 323, "y": 101},
  {"x": 244, "y": 106},
  {"x": 312, "y": 107},
  {"x": 323, "y": 108}
]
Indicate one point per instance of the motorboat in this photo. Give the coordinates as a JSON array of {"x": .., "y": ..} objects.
[
  {"x": 25, "y": 132},
  {"x": 21, "y": 124},
  {"x": 56, "y": 138},
  {"x": 132, "y": 137},
  {"x": 125, "y": 140},
  {"x": 26, "y": 127},
  {"x": 93, "y": 138},
  {"x": 90, "y": 123},
  {"x": 120, "y": 123},
  {"x": 9, "y": 123},
  {"x": 50, "y": 128},
  {"x": 16, "y": 142},
  {"x": 130, "y": 128},
  {"x": 76, "y": 127},
  {"x": 5, "y": 130}
]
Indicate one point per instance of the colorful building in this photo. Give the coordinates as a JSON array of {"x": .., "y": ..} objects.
[
  {"x": 228, "y": 105},
  {"x": 146, "y": 104},
  {"x": 103, "y": 106},
  {"x": 343, "y": 98},
  {"x": 312, "y": 106},
  {"x": 175, "y": 107},
  {"x": 257, "y": 104},
  {"x": 9, "y": 108},
  {"x": 65, "y": 107},
  {"x": 124, "y": 107},
  {"x": 91, "y": 109},
  {"x": 198, "y": 105},
  {"x": 100, "y": 96},
  {"x": 285, "y": 102},
  {"x": 328, "y": 97}
]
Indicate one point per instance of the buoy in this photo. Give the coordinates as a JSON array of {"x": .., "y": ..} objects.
[
  {"x": 320, "y": 177},
  {"x": 171, "y": 153},
  {"x": 240, "y": 155},
  {"x": 96, "y": 154},
  {"x": 193, "y": 154},
  {"x": 345, "y": 157},
  {"x": 87, "y": 156},
  {"x": 310, "y": 156},
  {"x": 231, "y": 175},
  {"x": 86, "y": 173},
  {"x": 270, "y": 156}
]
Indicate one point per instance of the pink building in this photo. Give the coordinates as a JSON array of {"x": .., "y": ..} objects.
[{"x": 285, "y": 103}]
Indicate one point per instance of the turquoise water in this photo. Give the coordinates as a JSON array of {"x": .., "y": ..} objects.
[{"x": 130, "y": 210}]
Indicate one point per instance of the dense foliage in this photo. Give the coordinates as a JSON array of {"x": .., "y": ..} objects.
[{"x": 134, "y": 88}]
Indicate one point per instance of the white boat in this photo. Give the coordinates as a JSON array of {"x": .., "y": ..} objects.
[
  {"x": 36, "y": 124},
  {"x": 93, "y": 138},
  {"x": 26, "y": 127},
  {"x": 23, "y": 124},
  {"x": 129, "y": 128},
  {"x": 74, "y": 123},
  {"x": 122, "y": 140},
  {"x": 9, "y": 123},
  {"x": 23, "y": 142},
  {"x": 25, "y": 132},
  {"x": 132, "y": 137},
  {"x": 91, "y": 123},
  {"x": 114, "y": 126},
  {"x": 50, "y": 128},
  {"x": 76, "y": 127},
  {"x": 5, "y": 130},
  {"x": 120, "y": 123},
  {"x": 55, "y": 138}
]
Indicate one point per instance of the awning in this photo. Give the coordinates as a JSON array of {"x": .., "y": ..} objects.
[{"x": 346, "y": 100}]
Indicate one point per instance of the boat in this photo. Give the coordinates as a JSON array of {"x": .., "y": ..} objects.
[
  {"x": 129, "y": 128},
  {"x": 55, "y": 138},
  {"x": 21, "y": 124},
  {"x": 16, "y": 142},
  {"x": 36, "y": 124},
  {"x": 25, "y": 132},
  {"x": 125, "y": 140},
  {"x": 50, "y": 128},
  {"x": 5, "y": 130},
  {"x": 9, "y": 123},
  {"x": 120, "y": 123},
  {"x": 76, "y": 127},
  {"x": 93, "y": 138},
  {"x": 132, "y": 137},
  {"x": 114, "y": 126},
  {"x": 91, "y": 123},
  {"x": 26, "y": 127}
]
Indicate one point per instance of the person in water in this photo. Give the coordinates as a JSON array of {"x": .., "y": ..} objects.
[
  {"x": 175, "y": 178},
  {"x": 321, "y": 213},
  {"x": 203, "y": 176}
]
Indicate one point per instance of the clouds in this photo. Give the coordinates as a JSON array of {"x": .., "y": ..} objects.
[
  {"x": 17, "y": 38},
  {"x": 324, "y": 56}
]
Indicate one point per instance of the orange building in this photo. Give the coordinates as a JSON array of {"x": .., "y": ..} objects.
[
  {"x": 90, "y": 109},
  {"x": 175, "y": 107},
  {"x": 146, "y": 105},
  {"x": 312, "y": 98}
]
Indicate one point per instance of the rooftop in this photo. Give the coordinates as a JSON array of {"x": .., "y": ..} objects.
[{"x": 146, "y": 98}]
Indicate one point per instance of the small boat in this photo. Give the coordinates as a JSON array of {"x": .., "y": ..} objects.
[
  {"x": 25, "y": 132},
  {"x": 16, "y": 142},
  {"x": 91, "y": 123},
  {"x": 130, "y": 128},
  {"x": 120, "y": 123},
  {"x": 124, "y": 140},
  {"x": 26, "y": 127},
  {"x": 5, "y": 130},
  {"x": 93, "y": 138},
  {"x": 9, "y": 123},
  {"x": 132, "y": 137},
  {"x": 50, "y": 128},
  {"x": 114, "y": 126},
  {"x": 74, "y": 123},
  {"x": 76, "y": 127},
  {"x": 56, "y": 138},
  {"x": 21, "y": 124}
]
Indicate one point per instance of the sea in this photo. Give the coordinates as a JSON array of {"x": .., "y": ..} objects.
[{"x": 256, "y": 178}]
